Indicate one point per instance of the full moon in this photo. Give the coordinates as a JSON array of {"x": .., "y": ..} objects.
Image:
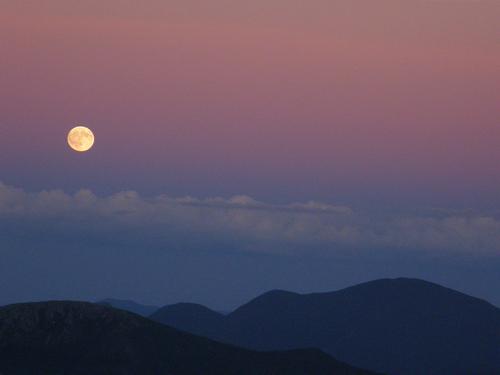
[{"x": 80, "y": 138}]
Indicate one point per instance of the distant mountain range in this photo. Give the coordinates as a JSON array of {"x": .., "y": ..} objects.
[
  {"x": 79, "y": 338},
  {"x": 392, "y": 326},
  {"x": 397, "y": 326}
]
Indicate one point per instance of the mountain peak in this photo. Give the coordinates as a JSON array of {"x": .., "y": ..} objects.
[
  {"x": 396, "y": 326},
  {"x": 80, "y": 338}
]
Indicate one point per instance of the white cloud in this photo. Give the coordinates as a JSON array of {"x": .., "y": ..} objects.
[{"x": 243, "y": 222}]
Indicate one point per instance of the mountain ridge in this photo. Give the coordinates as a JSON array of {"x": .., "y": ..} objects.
[
  {"x": 79, "y": 338},
  {"x": 398, "y": 326}
]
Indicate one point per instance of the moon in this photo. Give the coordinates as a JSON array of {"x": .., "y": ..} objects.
[{"x": 80, "y": 138}]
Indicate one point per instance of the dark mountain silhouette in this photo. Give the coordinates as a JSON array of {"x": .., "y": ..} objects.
[
  {"x": 127, "y": 305},
  {"x": 193, "y": 318},
  {"x": 399, "y": 326},
  {"x": 79, "y": 338}
]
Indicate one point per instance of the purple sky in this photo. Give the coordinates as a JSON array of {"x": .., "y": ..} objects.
[{"x": 256, "y": 135}]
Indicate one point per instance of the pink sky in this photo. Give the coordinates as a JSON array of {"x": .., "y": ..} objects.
[{"x": 341, "y": 100}]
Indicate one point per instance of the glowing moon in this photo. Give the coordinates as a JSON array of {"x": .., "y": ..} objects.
[{"x": 80, "y": 138}]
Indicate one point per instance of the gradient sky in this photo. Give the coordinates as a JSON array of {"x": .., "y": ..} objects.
[{"x": 385, "y": 107}]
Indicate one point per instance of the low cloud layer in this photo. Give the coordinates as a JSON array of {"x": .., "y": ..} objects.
[{"x": 239, "y": 223}]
